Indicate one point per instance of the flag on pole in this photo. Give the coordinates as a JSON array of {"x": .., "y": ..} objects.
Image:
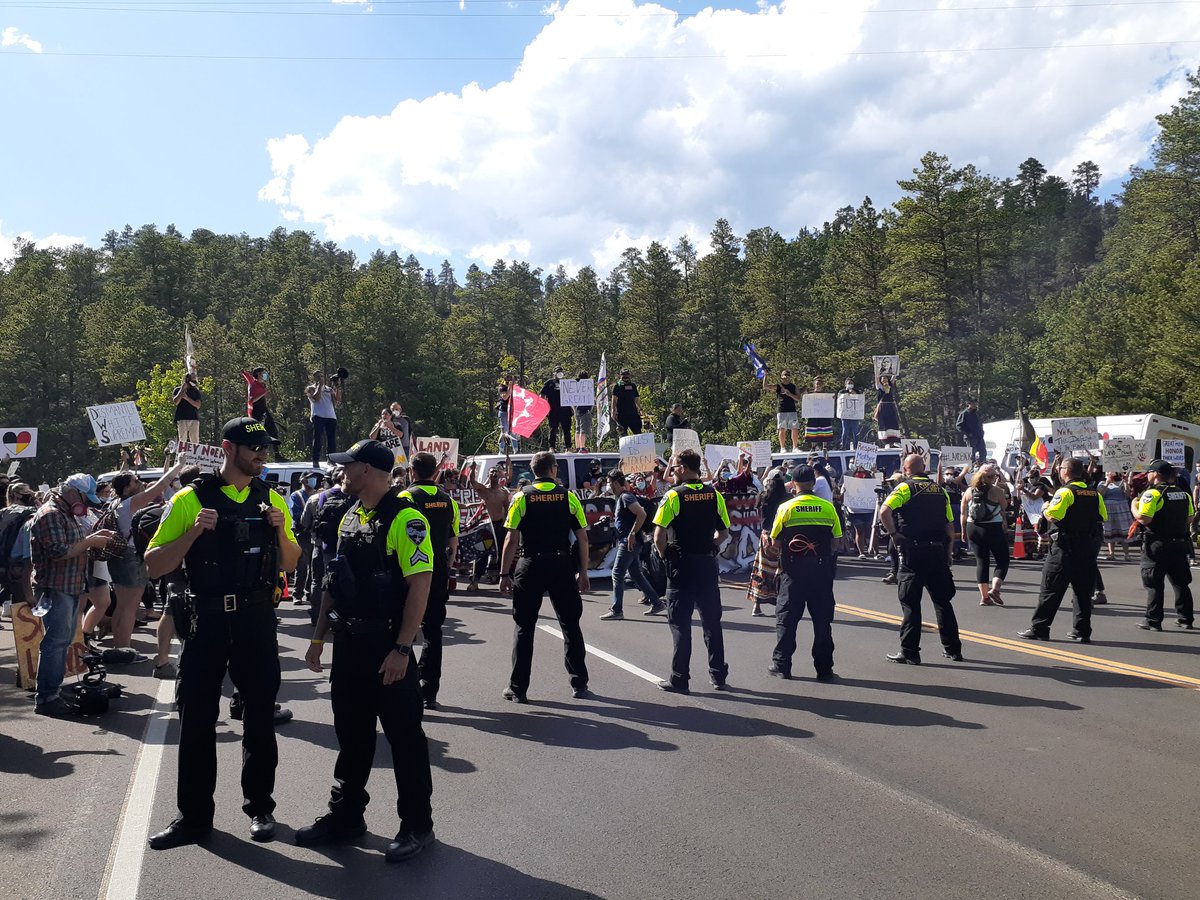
[
  {"x": 1039, "y": 451},
  {"x": 603, "y": 412},
  {"x": 528, "y": 410},
  {"x": 760, "y": 367},
  {"x": 189, "y": 358}
]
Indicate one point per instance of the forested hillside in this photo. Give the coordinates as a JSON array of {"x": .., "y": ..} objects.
[{"x": 1017, "y": 287}]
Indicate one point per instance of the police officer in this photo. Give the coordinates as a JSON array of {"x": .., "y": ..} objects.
[
  {"x": 918, "y": 517},
  {"x": 804, "y": 529},
  {"x": 1167, "y": 511},
  {"x": 441, "y": 512},
  {"x": 1076, "y": 514},
  {"x": 376, "y": 590},
  {"x": 692, "y": 521},
  {"x": 233, "y": 535},
  {"x": 540, "y": 522}
]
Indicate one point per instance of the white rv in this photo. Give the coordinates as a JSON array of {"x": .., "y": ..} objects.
[{"x": 1003, "y": 439}]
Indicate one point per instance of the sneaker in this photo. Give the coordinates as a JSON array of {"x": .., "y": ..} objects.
[
  {"x": 167, "y": 671},
  {"x": 407, "y": 845},
  {"x": 777, "y": 672},
  {"x": 757, "y": 612},
  {"x": 828, "y": 676},
  {"x": 1099, "y": 599},
  {"x": 1074, "y": 635},
  {"x": 1187, "y": 626},
  {"x": 123, "y": 656},
  {"x": 1031, "y": 634},
  {"x": 55, "y": 708},
  {"x": 656, "y": 609},
  {"x": 581, "y": 693},
  {"x": 612, "y": 616},
  {"x": 954, "y": 657},
  {"x": 1149, "y": 626},
  {"x": 903, "y": 659},
  {"x": 514, "y": 696},
  {"x": 986, "y": 601},
  {"x": 672, "y": 688},
  {"x": 328, "y": 829},
  {"x": 645, "y": 601},
  {"x": 889, "y": 578},
  {"x": 862, "y": 556}
]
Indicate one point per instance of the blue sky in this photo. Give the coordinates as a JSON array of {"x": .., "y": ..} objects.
[{"x": 601, "y": 138}]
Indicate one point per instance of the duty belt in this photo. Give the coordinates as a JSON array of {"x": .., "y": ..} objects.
[
  {"x": 540, "y": 553},
  {"x": 233, "y": 602},
  {"x": 359, "y": 627}
]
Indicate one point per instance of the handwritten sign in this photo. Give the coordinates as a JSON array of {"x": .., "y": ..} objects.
[
  {"x": 116, "y": 423},
  {"x": 915, "y": 445},
  {"x": 1121, "y": 453},
  {"x": 444, "y": 450},
  {"x": 577, "y": 392},
  {"x": 758, "y": 451},
  {"x": 1172, "y": 452},
  {"x": 397, "y": 447},
  {"x": 206, "y": 456},
  {"x": 684, "y": 439},
  {"x": 1075, "y": 434},
  {"x": 18, "y": 443},
  {"x": 886, "y": 365},
  {"x": 851, "y": 407},
  {"x": 637, "y": 452},
  {"x": 715, "y": 454},
  {"x": 865, "y": 455},
  {"x": 817, "y": 406},
  {"x": 954, "y": 456},
  {"x": 858, "y": 494}
]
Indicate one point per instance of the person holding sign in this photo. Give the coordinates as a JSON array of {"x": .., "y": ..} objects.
[
  {"x": 1166, "y": 510},
  {"x": 818, "y": 430},
  {"x": 787, "y": 418},
  {"x": 918, "y": 518},
  {"x": 692, "y": 522},
  {"x": 887, "y": 411},
  {"x": 804, "y": 529},
  {"x": 849, "y": 401},
  {"x": 583, "y": 420}
]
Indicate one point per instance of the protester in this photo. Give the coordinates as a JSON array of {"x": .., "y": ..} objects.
[
  {"x": 59, "y": 546},
  {"x": 823, "y": 485},
  {"x": 971, "y": 427},
  {"x": 322, "y": 405},
  {"x": 850, "y": 427},
  {"x": 787, "y": 419},
  {"x": 1120, "y": 516},
  {"x": 583, "y": 422},
  {"x": 393, "y": 423},
  {"x": 629, "y": 407},
  {"x": 630, "y": 519},
  {"x": 16, "y": 567},
  {"x": 982, "y": 511},
  {"x": 887, "y": 411},
  {"x": 186, "y": 398},
  {"x": 300, "y": 579},
  {"x": 818, "y": 432},
  {"x": 559, "y": 417},
  {"x": 764, "y": 573},
  {"x": 257, "y": 392},
  {"x": 861, "y": 518},
  {"x": 1034, "y": 491},
  {"x": 676, "y": 418}
]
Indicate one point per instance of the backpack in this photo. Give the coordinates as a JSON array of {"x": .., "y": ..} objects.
[
  {"x": 962, "y": 417},
  {"x": 331, "y": 509},
  {"x": 144, "y": 524},
  {"x": 12, "y": 520}
]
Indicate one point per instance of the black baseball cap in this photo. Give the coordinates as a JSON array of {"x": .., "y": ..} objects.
[
  {"x": 247, "y": 432},
  {"x": 373, "y": 453},
  {"x": 1162, "y": 467},
  {"x": 804, "y": 475}
]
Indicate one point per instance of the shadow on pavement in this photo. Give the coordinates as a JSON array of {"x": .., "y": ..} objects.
[
  {"x": 552, "y": 729},
  {"x": 348, "y": 870},
  {"x": 320, "y": 734},
  {"x": 851, "y": 710},
  {"x": 964, "y": 694},
  {"x": 19, "y": 757}
]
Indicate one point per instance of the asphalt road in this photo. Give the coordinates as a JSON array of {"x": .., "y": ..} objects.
[{"x": 1043, "y": 770}]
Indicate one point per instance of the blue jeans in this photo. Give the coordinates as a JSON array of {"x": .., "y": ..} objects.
[
  {"x": 631, "y": 561},
  {"x": 505, "y": 437},
  {"x": 850, "y": 429},
  {"x": 59, "y": 623}
]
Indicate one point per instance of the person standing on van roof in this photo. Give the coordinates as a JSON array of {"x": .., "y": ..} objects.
[
  {"x": 786, "y": 418},
  {"x": 1166, "y": 510},
  {"x": 322, "y": 402},
  {"x": 257, "y": 392},
  {"x": 559, "y": 417},
  {"x": 971, "y": 427}
]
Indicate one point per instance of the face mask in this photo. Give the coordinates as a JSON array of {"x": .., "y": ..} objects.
[
  {"x": 312, "y": 482},
  {"x": 265, "y": 376},
  {"x": 641, "y": 484},
  {"x": 724, "y": 476}
]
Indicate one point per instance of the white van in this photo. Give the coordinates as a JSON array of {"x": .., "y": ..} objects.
[
  {"x": 282, "y": 477},
  {"x": 1003, "y": 438}
]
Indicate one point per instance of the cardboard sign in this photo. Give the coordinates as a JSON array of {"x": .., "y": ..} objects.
[
  {"x": 851, "y": 407},
  {"x": 206, "y": 456},
  {"x": 1172, "y": 452},
  {"x": 397, "y": 447},
  {"x": 685, "y": 439},
  {"x": 886, "y": 365},
  {"x": 1121, "y": 453},
  {"x": 116, "y": 423},
  {"x": 715, "y": 454},
  {"x": 914, "y": 445},
  {"x": 954, "y": 456},
  {"x": 637, "y": 452},
  {"x": 444, "y": 450},
  {"x": 18, "y": 443},
  {"x": 858, "y": 494},
  {"x": 580, "y": 392},
  {"x": 865, "y": 455},
  {"x": 758, "y": 451},
  {"x": 817, "y": 406},
  {"x": 1079, "y": 433}
]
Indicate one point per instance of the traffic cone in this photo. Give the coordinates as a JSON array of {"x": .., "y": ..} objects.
[{"x": 1019, "y": 539}]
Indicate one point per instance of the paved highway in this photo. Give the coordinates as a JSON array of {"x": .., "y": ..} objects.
[{"x": 1029, "y": 770}]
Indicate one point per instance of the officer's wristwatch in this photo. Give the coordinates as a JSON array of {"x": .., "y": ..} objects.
[{"x": 404, "y": 649}]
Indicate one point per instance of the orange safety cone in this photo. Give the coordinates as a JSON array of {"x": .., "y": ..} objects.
[{"x": 1019, "y": 539}]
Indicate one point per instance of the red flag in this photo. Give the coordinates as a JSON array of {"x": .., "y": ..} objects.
[{"x": 528, "y": 410}]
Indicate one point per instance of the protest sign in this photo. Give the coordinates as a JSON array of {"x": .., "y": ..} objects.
[
  {"x": 954, "y": 456},
  {"x": 715, "y": 454},
  {"x": 1121, "y": 453},
  {"x": 637, "y": 452},
  {"x": 758, "y": 451},
  {"x": 1172, "y": 452},
  {"x": 865, "y": 455},
  {"x": 18, "y": 443},
  {"x": 915, "y": 445},
  {"x": 444, "y": 450},
  {"x": 12, "y": 468},
  {"x": 858, "y": 494},
  {"x": 1075, "y": 434},
  {"x": 397, "y": 447},
  {"x": 886, "y": 365},
  {"x": 851, "y": 407},
  {"x": 580, "y": 392},
  {"x": 684, "y": 439},
  {"x": 116, "y": 423},
  {"x": 206, "y": 456},
  {"x": 817, "y": 406}
]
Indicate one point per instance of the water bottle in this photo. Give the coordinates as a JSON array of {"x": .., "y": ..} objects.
[{"x": 43, "y": 605}]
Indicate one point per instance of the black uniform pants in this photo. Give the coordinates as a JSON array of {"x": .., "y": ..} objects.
[
  {"x": 805, "y": 582},
  {"x": 926, "y": 567},
  {"x": 359, "y": 699},
  {"x": 431, "y": 631},
  {"x": 629, "y": 423},
  {"x": 1071, "y": 563},
  {"x": 693, "y": 584},
  {"x": 243, "y": 643},
  {"x": 533, "y": 578},
  {"x": 561, "y": 419},
  {"x": 1162, "y": 560}
]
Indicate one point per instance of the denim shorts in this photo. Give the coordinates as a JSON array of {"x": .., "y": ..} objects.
[{"x": 128, "y": 571}]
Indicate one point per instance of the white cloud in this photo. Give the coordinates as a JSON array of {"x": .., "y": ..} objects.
[
  {"x": 49, "y": 241},
  {"x": 782, "y": 116},
  {"x": 12, "y": 37}
]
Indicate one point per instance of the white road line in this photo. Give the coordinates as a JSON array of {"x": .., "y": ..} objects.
[
  {"x": 123, "y": 874},
  {"x": 1090, "y": 885}
]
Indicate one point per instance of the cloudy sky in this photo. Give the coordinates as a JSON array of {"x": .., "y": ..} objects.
[{"x": 475, "y": 129}]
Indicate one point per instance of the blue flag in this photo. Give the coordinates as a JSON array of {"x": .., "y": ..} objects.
[{"x": 760, "y": 367}]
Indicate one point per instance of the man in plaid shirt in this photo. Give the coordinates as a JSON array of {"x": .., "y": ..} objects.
[{"x": 59, "y": 545}]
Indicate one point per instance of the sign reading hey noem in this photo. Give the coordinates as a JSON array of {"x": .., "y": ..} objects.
[
  {"x": 1079, "y": 433},
  {"x": 577, "y": 392},
  {"x": 116, "y": 423},
  {"x": 206, "y": 456}
]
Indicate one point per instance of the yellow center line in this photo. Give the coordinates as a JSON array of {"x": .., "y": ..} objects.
[{"x": 1037, "y": 648}]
